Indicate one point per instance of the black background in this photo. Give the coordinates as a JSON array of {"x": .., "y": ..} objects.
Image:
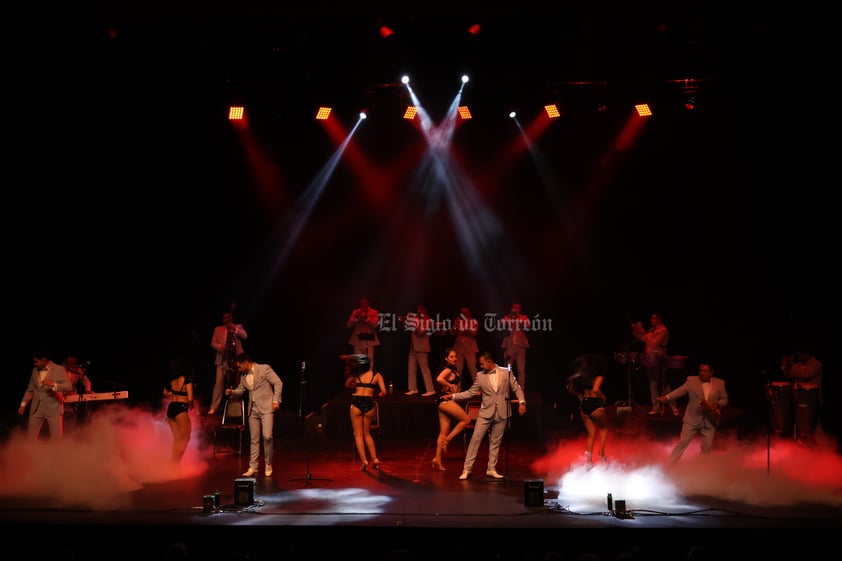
[{"x": 136, "y": 214}]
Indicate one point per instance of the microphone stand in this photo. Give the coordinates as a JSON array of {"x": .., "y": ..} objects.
[
  {"x": 82, "y": 406},
  {"x": 769, "y": 427},
  {"x": 309, "y": 476}
]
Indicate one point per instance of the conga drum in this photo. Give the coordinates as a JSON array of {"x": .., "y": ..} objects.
[
  {"x": 779, "y": 401},
  {"x": 806, "y": 409}
]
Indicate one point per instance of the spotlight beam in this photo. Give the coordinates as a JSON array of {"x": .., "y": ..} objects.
[
  {"x": 287, "y": 234},
  {"x": 480, "y": 234}
]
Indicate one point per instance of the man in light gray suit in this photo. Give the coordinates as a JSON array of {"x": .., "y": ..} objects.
[
  {"x": 496, "y": 385},
  {"x": 227, "y": 341},
  {"x": 45, "y": 396},
  {"x": 706, "y": 397},
  {"x": 264, "y": 388}
]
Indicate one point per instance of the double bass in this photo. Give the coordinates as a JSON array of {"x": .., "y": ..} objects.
[{"x": 233, "y": 347}]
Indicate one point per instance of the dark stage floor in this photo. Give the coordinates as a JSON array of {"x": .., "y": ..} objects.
[{"x": 110, "y": 479}]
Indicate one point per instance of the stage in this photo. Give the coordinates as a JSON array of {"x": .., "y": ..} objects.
[{"x": 110, "y": 479}]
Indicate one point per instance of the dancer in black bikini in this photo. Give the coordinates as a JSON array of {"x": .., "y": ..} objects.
[
  {"x": 586, "y": 384},
  {"x": 448, "y": 381},
  {"x": 179, "y": 389},
  {"x": 366, "y": 383}
]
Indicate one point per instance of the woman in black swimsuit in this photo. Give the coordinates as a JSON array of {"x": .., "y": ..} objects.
[
  {"x": 179, "y": 389},
  {"x": 448, "y": 381},
  {"x": 365, "y": 383},
  {"x": 586, "y": 383}
]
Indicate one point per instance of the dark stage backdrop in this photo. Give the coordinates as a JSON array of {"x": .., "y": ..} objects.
[{"x": 138, "y": 213}]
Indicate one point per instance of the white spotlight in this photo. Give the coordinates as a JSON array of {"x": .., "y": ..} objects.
[
  {"x": 465, "y": 78},
  {"x": 404, "y": 79},
  {"x": 363, "y": 115},
  {"x": 512, "y": 115}
]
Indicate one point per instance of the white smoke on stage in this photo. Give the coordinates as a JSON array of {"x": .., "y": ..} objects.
[
  {"x": 119, "y": 451},
  {"x": 777, "y": 472}
]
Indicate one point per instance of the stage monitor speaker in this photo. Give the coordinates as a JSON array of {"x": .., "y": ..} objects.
[
  {"x": 244, "y": 490},
  {"x": 533, "y": 492},
  {"x": 620, "y": 510}
]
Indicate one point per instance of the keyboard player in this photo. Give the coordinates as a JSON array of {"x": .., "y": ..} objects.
[{"x": 75, "y": 413}]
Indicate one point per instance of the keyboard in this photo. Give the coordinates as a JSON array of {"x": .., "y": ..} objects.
[{"x": 100, "y": 396}]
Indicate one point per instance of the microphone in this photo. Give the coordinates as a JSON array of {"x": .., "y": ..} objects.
[{"x": 303, "y": 365}]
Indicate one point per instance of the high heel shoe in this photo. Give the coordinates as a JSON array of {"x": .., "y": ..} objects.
[
  {"x": 375, "y": 464},
  {"x": 437, "y": 465},
  {"x": 602, "y": 458},
  {"x": 364, "y": 467}
]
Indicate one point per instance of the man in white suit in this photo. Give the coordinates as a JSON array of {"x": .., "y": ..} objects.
[
  {"x": 496, "y": 385},
  {"x": 45, "y": 396},
  {"x": 227, "y": 341},
  {"x": 706, "y": 397},
  {"x": 264, "y": 388}
]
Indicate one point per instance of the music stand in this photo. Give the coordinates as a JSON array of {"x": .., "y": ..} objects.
[
  {"x": 308, "y": 478},
  {"x": 629, "y": 358}
]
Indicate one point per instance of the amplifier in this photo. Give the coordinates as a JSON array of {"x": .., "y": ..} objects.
[
  {"x": 244, "y": 490},
  {"x": 533, "y": 492}
]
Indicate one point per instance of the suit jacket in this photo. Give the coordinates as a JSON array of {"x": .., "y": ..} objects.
[
  {"x": 695, "y": 414},
  {"x": 219, "y": 342},
  {"x": 367, "y": 327},
  {"x": 518, "y": 326},
  {"x": 655, "y": 342},
  {"x": 493, "y": 402},
  {"x": 44, "y": 401},
  {"x": 466, "y": 334},
  {"x": 267, "y": 389}
]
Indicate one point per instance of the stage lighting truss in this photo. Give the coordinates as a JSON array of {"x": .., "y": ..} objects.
[{"x": 576, "y": 97}]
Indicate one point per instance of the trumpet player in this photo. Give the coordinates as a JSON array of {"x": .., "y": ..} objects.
[
  {"x": 363, "y": 323},
  {"x": 655, "y": 341},
  {"x": 515, "y": 342}
]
